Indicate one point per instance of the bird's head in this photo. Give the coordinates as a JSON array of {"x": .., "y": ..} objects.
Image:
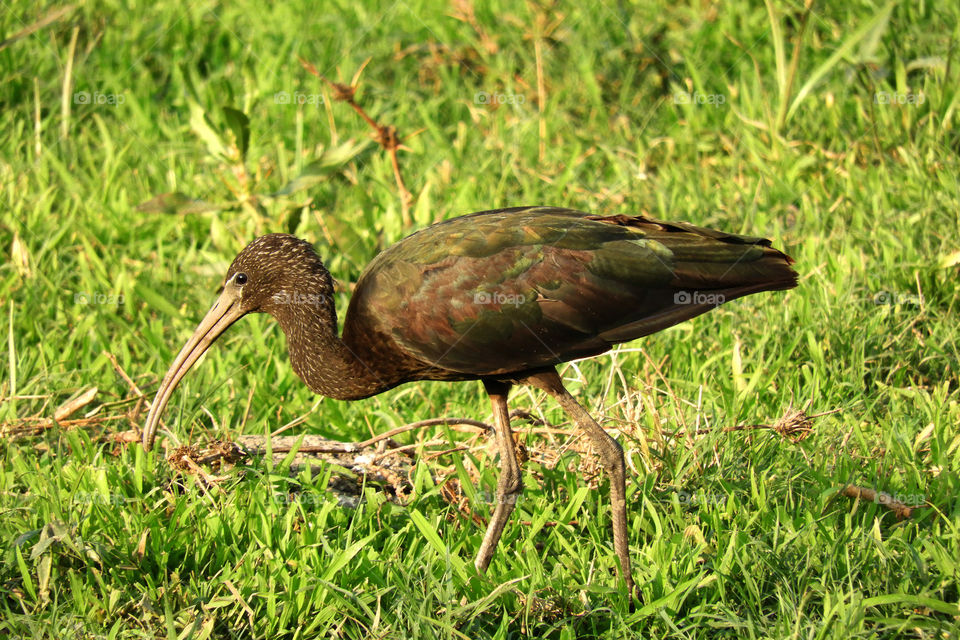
[
  {"x": 277, "y": 274},
  {"x": 275, "y": 271}
]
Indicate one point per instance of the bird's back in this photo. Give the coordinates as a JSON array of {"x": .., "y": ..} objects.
[{"x": 517, "y": 289}]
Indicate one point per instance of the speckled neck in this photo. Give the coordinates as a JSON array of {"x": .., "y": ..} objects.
[{"x": 318, "y": 355}]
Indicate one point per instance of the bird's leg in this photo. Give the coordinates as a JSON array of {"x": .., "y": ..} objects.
[
  {"x": 611, "y": 456},
  {"x": 510, "y": 484}
]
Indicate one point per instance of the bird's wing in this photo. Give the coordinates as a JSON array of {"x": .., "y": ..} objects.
[{"x": 511, "y": 290}]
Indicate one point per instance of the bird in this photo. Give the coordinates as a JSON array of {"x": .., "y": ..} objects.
[{"x": 502, "y": 297}]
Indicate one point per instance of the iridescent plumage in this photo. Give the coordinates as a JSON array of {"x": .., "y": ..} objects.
[{"x": 499, "y": 296}]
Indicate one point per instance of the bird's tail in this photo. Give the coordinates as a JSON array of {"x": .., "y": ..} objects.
[{"x": 709, "y": 267}]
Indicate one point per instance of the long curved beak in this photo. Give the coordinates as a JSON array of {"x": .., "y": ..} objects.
[{"x": 225, "y": 311}]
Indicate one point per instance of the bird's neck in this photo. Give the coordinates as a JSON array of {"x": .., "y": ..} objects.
[{"x": 318, "y": 355}]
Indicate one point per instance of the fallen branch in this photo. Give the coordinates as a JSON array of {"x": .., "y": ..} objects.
[
  {"x": 34, "y": 426},
  {"x": 899, "y": 509},
  {"x": 70, "y": 407},
  {"x": 432, "y": 422}
]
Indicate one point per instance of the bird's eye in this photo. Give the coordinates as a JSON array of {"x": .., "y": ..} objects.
[{"x": 240, "y": 279}]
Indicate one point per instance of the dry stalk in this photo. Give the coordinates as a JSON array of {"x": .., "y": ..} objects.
[{"x": 385, "y": 135}]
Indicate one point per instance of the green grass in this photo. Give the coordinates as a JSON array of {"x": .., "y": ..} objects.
[{"x": 681, "y": 112}]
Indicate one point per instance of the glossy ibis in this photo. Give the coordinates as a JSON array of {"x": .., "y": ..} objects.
[{"x": 497, "y": 296}]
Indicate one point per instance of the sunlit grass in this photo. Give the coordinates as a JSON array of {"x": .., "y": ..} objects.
[{"x": 847, "y": 159}]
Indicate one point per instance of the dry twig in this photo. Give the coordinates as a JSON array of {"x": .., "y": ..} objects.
[
  {"x": 795, "y": 425},
  {"x": 385, "y": 135},
  {"x": 900, "y": 510}
]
